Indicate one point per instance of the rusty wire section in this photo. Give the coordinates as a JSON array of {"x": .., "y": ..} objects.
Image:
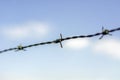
[{"x": 103, "y": 33}]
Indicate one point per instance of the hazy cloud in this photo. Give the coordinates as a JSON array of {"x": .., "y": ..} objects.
[
  {"x": 26, "y": 30},
  {"x": 110, "y": 47},
  {"x": 77, "y": 44}
]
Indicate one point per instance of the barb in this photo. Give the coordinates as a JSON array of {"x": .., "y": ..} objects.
[
  {"x": 20, "y": 47},
  {"x": 61, "y": 41},
  {"x": 103, "y": 33}
]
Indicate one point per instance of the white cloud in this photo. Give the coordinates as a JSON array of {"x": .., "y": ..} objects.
[
  {"x": 77, "y": 44},
  {"x": 26, "y": 30},
  {"x": 110, "y": 47}
]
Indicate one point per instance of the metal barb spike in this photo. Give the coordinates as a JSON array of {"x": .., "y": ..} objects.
[
  {"x": 102, "y": 28},
  {"x": 101, "y": 37},
  {"x": 105, "y": 32},
  {"x": 20, "y": 47},
  {"x": 61, "y": 41}
]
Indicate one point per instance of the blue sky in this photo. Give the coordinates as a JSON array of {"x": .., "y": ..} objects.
[{"x": 31, "y": 21}]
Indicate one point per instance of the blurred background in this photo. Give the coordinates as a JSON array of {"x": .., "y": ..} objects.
[{"x": 32, "y": 21}]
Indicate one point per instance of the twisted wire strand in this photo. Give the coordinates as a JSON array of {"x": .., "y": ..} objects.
[{"x": 62, "y": 39}]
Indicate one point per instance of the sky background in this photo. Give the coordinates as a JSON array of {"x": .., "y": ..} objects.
[{"x": 32, "y": 21}]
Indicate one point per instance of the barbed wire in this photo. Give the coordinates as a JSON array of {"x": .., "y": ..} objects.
[{"x": 103, "y": 33}]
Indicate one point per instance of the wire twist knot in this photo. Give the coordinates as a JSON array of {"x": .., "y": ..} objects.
[
  {"x": 105, "y": 32},
  {"x": 20, "y": 47}
]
